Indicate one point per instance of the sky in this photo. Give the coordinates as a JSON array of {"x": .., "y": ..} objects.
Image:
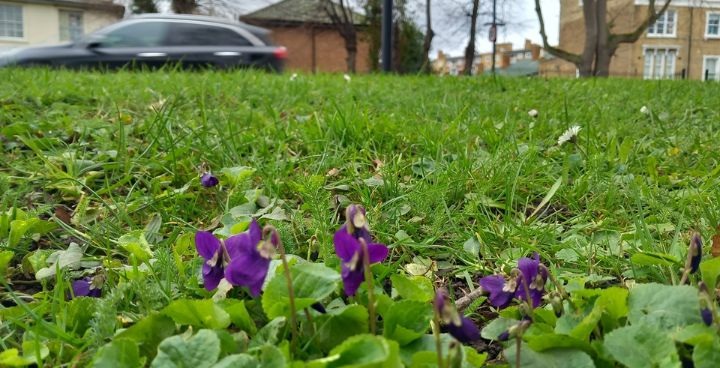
[{"x": 450, "y": 22}]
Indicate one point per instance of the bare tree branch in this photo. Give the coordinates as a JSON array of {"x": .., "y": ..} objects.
[
  {"x": 562, "y": 54},
  {"x": 635, "y": 35}
]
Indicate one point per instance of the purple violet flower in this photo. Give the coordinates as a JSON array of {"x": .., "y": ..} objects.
[
  {"x": 695, "y": 252},
  {"x": 215, "y": 253},
  {"x": 460, "y": 327},
  {"x": 250, "y": 257},
  {"x": 86, "y": 287},
  {"x": 348, "y": 247},
  {"x": 208, "y": 180},
  {"x": 534, "y": 277},
  {"x": 707, "y": 316},
  {"x": 501, "y": 290}
]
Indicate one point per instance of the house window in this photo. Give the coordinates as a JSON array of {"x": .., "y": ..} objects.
[
  {"x": 711, "y": 64},
  {"x": 71, "y": 25},
  {"x": 712, "y": 28},
  {"x": 11, "y": 21},
  {"x": 659, "y": 63},
  {"x": 664, "y": 26}
]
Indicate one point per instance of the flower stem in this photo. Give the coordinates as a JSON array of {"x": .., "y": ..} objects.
[
  {"x": 275, "y": 239},
  {"x": 438, "y": 342},
  {"x": 518, "y": 341},
  {"x": 370, "y": 288}
]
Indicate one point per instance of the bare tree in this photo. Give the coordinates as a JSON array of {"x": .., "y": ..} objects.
[
  {"x": 184, "y": 6},
  {"x": 144, "y": 6},
  {"x": 342, "y": 17},
  {"x": 600, "y": 43},
  {"x": 470, "y": 49},
  {"x": 427, "y": 40}
]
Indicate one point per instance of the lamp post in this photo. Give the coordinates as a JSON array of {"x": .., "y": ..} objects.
[{"x": 493, "y": 33}]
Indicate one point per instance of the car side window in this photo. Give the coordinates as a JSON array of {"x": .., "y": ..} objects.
[
  {"x": 142, "y": 34},
  {"x": 191, "y": 34}
]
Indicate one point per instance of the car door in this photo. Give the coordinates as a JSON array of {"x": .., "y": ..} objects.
[
  {"x": 134, "y": 44},
  {"x": 197, "y": 45}
]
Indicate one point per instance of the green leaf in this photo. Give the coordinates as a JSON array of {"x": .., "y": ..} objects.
[
  {"x": 271, "y": 357},
  {"x": 149, "y": 332},
  {"x": 582, "y": 330},
  {"x": 34, "y": 351},
  {"x": 198, "y": 313},
  {"x": 312, "y": 282},
  {"x": 548, "y": 341},
  {"x": 664, "y": 306},
  {"x": 407, "y": 320},
  {"x": 614, "y": 300},
  {"x": 269, "y": 334},
  {"x": 63, "y": 259},
  {"x": 120, "y": 353},
  {"x": 424, "y": 359},
  {"x": 136, "y": 245},
  {"x": 237, "y": 361},
  {"x": 710, "y": 270},
  {"x": 78, "y": 314},
  {"x": 499, "y": 325},
  {"x": 641, "y": 345},
  {"x": 239, "y": 315},
  {"x": 340, "y": 324},
  {"x": 552, "y": 358},
  {"x": 199, "y": 351},
  {"x": 473, "y": 358},
  {"x": 18, "y": 228},
  {"x": 707, "y": 354},
  {"x": 694, "y": 334},
  {"x": 472, "y": 246},
  {"x": 238, "y": 175},
  {"x": 365, "y": 351},
  {"x": 12, "y": 358},
  {"x": 654, "y": 259},
  {"x": 5, "y": 258},
  {"x": 418, "y": 288}
]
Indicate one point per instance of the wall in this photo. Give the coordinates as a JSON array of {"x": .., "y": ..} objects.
[
  {"x": 330, "y": 54},
  {"x": 629, "y": 58},
  {"x": 41, "y": 24}
]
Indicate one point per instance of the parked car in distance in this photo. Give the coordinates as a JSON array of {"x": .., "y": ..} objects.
[{"x": 154, "y": 40}]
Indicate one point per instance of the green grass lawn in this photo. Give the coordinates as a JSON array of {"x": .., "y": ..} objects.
[{"x": 450, "y": 170}]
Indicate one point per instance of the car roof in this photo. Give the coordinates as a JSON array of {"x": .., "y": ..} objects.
[{"x": 203, "y": 18}]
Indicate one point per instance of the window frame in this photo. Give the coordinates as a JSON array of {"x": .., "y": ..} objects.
[
  {"x": 69, "y": 33},
  {"x": 667, "y": 49},
  {"x": 22, "y": 23},
  {"x": 248, "y": 43},
  {"x": 664, "y": 19},
  {"x": 707, "y": 24},
  {"x": 717, "y": 67}
]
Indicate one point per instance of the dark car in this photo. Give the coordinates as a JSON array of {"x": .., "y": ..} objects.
[{"x": 153, "y": 40}]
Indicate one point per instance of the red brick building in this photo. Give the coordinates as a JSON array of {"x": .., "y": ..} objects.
[{"x": 313, "y": 43}]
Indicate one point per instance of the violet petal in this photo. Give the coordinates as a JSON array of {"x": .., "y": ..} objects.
[
  {"x": 212, "y": 276},
  {"x": 352, "y": 279},
  {"x": 346, "y": 246},
  {"x": 466, "y": 332},
  {"x": 377, "y": 252},
  {"x": 206, "y": 244},
  {"x": 494, "y": 285}
]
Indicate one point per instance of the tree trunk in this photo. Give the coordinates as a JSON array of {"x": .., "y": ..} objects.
[
  {"x": 427, "y": 41},
  {"x": 374, "y": 26},
  {"x": 351, "y": 49},
  {"x": 604, "y": 51},
  {"x": 587, "y": 58},
  {"x": 470, "y": 49}
]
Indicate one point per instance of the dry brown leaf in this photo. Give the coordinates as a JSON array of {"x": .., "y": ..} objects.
[{"x": 715, "y": 250}]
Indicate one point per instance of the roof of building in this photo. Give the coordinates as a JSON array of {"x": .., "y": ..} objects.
[
  {"x": 104, "y": 5},
  {"x": 296, "y": 11}
]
